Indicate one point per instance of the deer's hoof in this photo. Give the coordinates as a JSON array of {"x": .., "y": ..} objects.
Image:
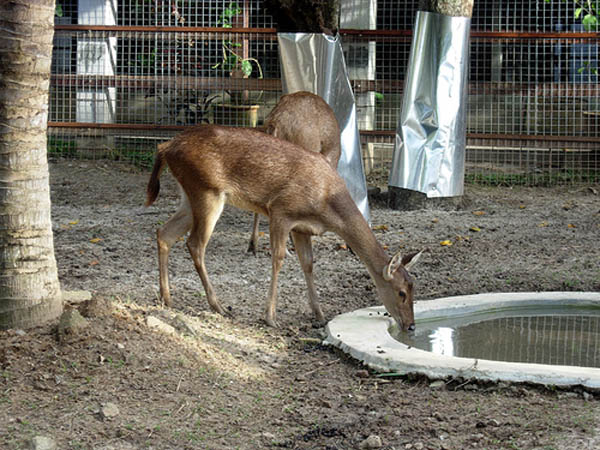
[{"x": 270, "y": 321}]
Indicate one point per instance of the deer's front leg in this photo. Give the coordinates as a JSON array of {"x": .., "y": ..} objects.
[
  {"x": 278, "y": 234},
  {"x": 303, "y": 245}
]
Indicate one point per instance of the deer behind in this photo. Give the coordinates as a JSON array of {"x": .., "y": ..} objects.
[
  {"x": 297, "y": 190},
  {"x": 306, "y": 120}
]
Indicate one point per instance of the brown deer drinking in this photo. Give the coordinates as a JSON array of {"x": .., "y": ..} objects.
[{"x": 296, "y": 189}]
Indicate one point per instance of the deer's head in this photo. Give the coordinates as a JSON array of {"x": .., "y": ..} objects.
[{"x": 397, "y": 290}]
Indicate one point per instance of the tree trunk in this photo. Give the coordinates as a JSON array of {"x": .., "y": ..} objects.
[
  {"x": 455, "y": 8},
  {"x": 305, "y": 16},
  {"x": 29, "y": 289}
]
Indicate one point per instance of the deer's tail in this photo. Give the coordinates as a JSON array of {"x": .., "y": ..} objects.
[{"x": 153, "y": 187}]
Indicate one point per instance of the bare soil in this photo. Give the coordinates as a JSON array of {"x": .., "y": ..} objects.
[{"x": 210, "y": 382}]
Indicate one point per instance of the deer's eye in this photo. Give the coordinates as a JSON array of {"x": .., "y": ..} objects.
[{"x": 402, "y": 295}]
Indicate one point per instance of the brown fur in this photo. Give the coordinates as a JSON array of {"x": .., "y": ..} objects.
[{"x": 305, "y": 120}]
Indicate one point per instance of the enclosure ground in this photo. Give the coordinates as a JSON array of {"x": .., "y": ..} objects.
[{"x": 143, "y": 376}]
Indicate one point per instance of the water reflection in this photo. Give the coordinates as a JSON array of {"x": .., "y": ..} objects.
[{"x": 441, "y": 341}]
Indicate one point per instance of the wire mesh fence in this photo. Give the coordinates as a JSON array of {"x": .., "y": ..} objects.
[{"x": 127, "y": 74}]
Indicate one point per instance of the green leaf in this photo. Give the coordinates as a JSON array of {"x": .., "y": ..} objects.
[
  {"x": 590, "y": 22},
  {"x": 246, "y": 67},
  {"x": 578, "y": 12}
]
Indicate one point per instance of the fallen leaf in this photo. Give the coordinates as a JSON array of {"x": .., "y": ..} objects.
[
  {"x": 446, "y": 243},
  {"x": 261, "y": 233},
  {"x": 522, "y": 206},
  {"x": 435, "y": 220},
  {"x": 342, "y": 247},
  {"x": 381, "y": 227},
  {"x": 478, "y": 213},
  {"x": 543, "y": 224},
  {"x": 571, "y": 225},
  {"x": 475, "y": 229},
  {"x": 73, "y": 222},
  {"x": 94, "y": 262},
  {"x": 95, "y": 240}
]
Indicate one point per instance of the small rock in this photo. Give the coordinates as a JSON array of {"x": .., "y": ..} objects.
[
  {"x": 438, "y": 416},
  {"x": 158, "y": 324},
  {"x": 373, "y": 441},
  {"x": 184, "y": 326},
  {"x": 326, "y": 403},
  {"x": 362, "y": 373},
  {"x": 109, "y": 411},
  {"x": 76, "y": 296},
  {"x": 471, "y": 387},
  {"x": 120, "y": 346},
  {"x": 71, "y": 322},
  {"x": 493, "y": 423},
  {"x": 477, "y": 437},
  {"x": 96, "y": 307},
  {"x": 20, "y": 332},
  {"x": 437, "y": 385},
  {"x": 587, "y": 396},
  {"x": 268, "y": 436},
  {"x": 42, "y": 443},
  {"x": 418, "y": 446}
]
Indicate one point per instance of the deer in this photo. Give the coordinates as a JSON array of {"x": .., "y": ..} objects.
[
  {"x": 307, "y": 120},
  {"x": 299, "y": 192},
  {"x": 318, "y": 131}
]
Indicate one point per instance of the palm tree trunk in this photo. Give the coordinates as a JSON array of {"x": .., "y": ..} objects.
[{"x": 29, "y": 289}]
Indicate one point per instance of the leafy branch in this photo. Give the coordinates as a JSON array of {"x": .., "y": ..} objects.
[
  {"x": 231, "y": 60},
  {"x": 587, "y": 12}
]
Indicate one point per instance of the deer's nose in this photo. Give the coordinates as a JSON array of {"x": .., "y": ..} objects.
[{"x": 411, "y": 327}]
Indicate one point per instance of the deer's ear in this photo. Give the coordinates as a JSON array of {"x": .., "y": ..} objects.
[
  {"x": 410, "y": 260},
  {"x": 392, "y": 266}
]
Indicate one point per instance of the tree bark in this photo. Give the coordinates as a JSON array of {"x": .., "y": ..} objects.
[
  {"x": 305, "y": 16},
  {"x": 454, "y": 8},
  {"x": 29, "y": 288}
]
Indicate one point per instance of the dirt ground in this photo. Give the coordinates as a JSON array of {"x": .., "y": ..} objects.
[{"x": 138, "y": 375}]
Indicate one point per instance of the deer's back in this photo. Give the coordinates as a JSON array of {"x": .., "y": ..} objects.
[
  {"x": 255, "y": 170},
  {"x": 307, "y": 120}
]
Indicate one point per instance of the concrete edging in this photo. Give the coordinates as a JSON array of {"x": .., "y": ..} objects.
[{"x": 364, "y": 335}]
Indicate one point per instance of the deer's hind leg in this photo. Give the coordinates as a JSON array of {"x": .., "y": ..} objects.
[
  {"x": 179, "y": 224},
  {"x": 207, "y": 207},
  {"x": 253, "y": 244}
]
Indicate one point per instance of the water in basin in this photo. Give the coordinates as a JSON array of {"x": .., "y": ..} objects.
[{"x": 569, "y": 336}]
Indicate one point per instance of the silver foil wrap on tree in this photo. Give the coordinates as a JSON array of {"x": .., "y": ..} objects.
[
  {"x": 429, "y": 152},
  {"x": 315, "y": 63}
]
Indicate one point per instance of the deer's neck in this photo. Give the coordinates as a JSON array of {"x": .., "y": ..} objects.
[{"x": 358, "y": 235}]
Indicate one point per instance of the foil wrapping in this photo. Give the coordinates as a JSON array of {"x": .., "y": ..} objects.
[
  {"x": 429, "y": 151},
  {"x": 314, "y": 62}
]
